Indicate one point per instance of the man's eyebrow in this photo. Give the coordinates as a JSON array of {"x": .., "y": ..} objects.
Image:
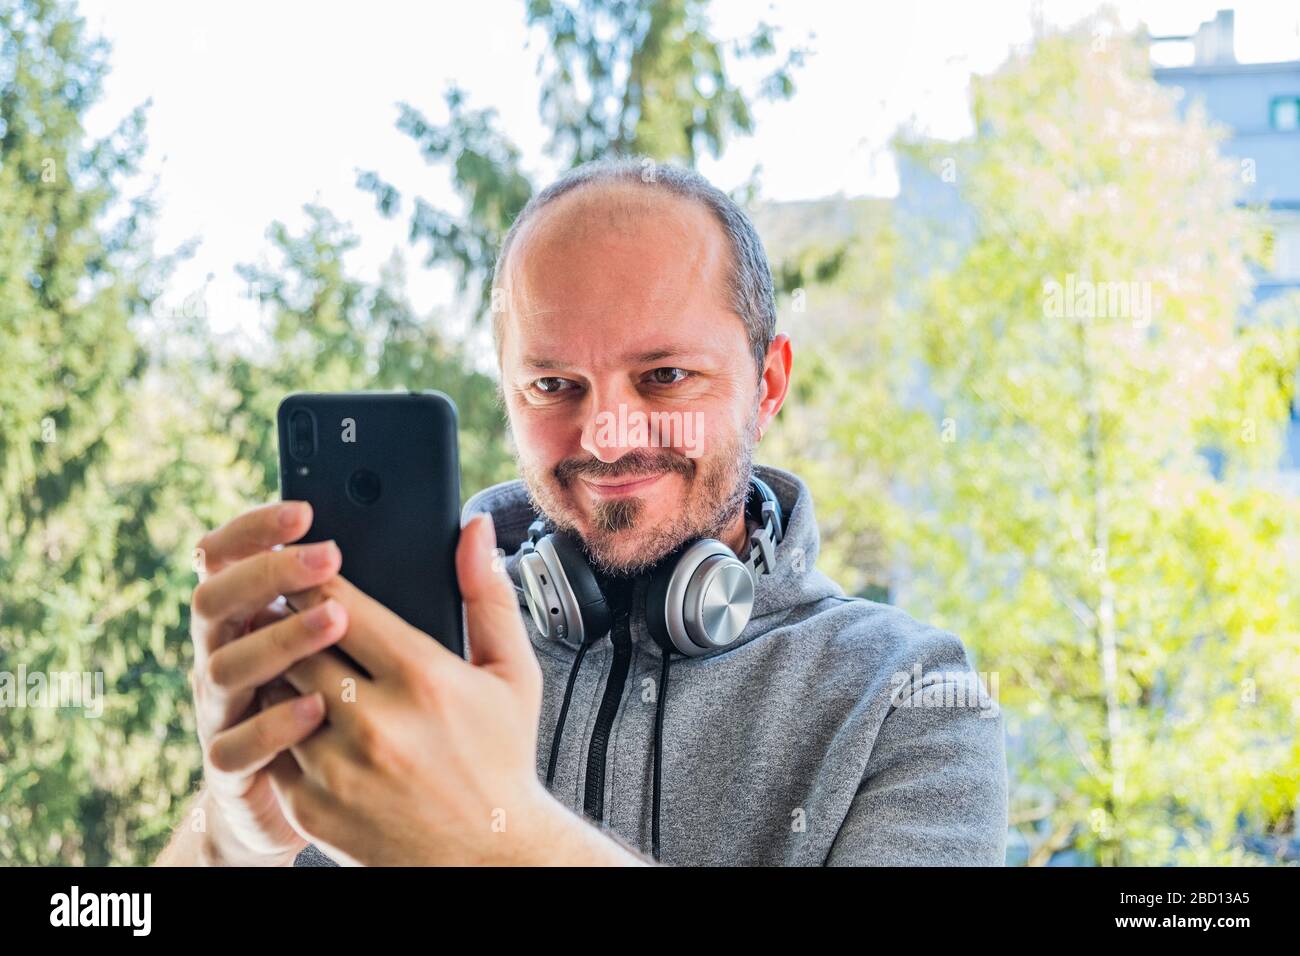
[{"x": 632, "y": 358}]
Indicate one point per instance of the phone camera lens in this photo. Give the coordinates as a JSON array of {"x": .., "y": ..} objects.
[
  {"x": 302, "y": 435},
  {"x": 363, "y": 487}
]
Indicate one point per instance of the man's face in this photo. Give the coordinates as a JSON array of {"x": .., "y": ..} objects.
[{"x": 630, "y": 385}]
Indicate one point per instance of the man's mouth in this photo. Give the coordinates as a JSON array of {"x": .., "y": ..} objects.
[{"x": 617, "y": 487}]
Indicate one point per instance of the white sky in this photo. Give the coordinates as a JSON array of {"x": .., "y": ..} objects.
[{"x": 260, "y": 107}]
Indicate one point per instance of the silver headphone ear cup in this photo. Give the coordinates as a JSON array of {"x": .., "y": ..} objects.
[
  {"x": 550, "y": 599},
  {"x": 719, "y": 600},
  {"x": 709, "y": 598}
]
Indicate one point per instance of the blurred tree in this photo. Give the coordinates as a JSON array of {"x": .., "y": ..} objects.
[
  {"x": 838, "y": 296},
  {"x": 619, "y": 78},
  {"x": 645, "y": 78},
  {"x": 127, "y": 431},
  {"x": 328, "y": 331},
  {"x": 115, "y": 457},
  {"x": 92, "y": 573},
  {"x": 1049, "y": 392}
]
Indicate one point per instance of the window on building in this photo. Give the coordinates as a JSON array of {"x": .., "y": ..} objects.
[
  {"x": 1286, "y": 250},
  {"x": 1284, "y": 113}
]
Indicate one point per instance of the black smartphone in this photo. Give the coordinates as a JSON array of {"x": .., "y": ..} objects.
[{"x": 382, "y": 473}]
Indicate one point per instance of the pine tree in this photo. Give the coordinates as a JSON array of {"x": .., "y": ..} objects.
[{"x": 80, "y": 570}]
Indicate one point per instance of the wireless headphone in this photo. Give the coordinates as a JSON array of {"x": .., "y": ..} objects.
[{"x": 698, "y": 599}]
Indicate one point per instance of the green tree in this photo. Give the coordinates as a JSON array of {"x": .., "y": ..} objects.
[
  {"x": 1040, "y": 470},
  {"x": 618, "y": 78},
  {"x": 90, "y": 563},
  {"x": 129, "y": 429},
  {"x": 328, "y": 331}
]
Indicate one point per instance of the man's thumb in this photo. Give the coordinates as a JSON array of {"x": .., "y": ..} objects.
[{"x": 496, "y": 630}]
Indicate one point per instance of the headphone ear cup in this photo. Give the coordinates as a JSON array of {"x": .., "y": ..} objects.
[
  {"x": 699, "y": 600},
  {"x": 656, "y": 597},
  {"x": 596, "y": 616}
]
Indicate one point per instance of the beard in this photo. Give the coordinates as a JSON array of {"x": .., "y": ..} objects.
[{"x": 716, "y": 489}]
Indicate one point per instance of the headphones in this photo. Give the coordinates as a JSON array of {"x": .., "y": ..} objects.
[{"x": 698, "y": 599}]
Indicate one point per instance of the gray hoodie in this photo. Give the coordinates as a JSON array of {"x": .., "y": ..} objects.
[{"x": 834, "y": 731}]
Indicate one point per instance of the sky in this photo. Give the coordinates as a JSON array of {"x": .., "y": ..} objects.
[{"x": 257, "y": 108}]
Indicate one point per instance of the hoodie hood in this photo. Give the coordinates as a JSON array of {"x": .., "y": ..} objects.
[{"x": 795, "y": 580}]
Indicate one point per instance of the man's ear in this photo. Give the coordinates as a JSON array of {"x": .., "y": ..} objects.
[{"x": 774, "y": 383}]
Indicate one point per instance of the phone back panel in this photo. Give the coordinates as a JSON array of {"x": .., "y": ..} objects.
[{"x": 383, "y": 481}]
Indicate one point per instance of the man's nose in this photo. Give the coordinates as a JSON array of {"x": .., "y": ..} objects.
[{"x": 617, "y": 421}]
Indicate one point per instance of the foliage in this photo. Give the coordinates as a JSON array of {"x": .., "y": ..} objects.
[
  {"x": 1038, "y": 474},
  {"x": 618, "y": 78}
]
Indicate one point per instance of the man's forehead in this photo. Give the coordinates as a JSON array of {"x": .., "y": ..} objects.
[
  {"x": 576, "y": 275},
  {"x": 615, "y": 207},
  {"x": 639, "y": 237},
  {"x": 542, "y": 359}
]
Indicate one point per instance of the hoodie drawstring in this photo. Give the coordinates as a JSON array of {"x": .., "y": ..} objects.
[
  {"x": 658, "y": 738},
  {"x": 564, "y": 713},
  {"x": 659, "y": 749}
]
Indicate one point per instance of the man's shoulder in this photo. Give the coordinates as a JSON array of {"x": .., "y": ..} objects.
[{"x": 857, "y": 635}]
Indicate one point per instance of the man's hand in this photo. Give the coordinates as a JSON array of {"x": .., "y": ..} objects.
[
  {"x": 244, "y": 639},
  {"x": 427, "y": 758}
]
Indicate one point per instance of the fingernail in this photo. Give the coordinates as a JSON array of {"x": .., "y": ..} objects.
[
  {"x": 318, "y": 556},
  {"x": 321, "y": 616},
  {"x": 290, "y": 512},
  {"x": 489, "y": 536},
  {"x": 308, "y": 708}
]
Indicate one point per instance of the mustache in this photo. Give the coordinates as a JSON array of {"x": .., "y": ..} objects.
[{"x": 639, "y": 462}]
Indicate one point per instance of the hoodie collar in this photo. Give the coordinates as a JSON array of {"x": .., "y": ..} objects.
[{"x": 795, "y": 580}]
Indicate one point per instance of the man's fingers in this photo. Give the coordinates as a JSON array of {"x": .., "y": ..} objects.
[
  {"x": 497, "y": 637},
  {"x": 228, "y": 599},
  {"x": 285, "y": 774},
  {"x": 252, "y": 744},
  {"x": 294, "y": 791},
  {"x": 262, "y": 655},
  {"x": 339, "y": 684},
  {"x": 275, "y": 692},
  {"x": 257, "y": 530},
  {"x": 377, "y": 639},
  {"x": 275, "y": 611}
]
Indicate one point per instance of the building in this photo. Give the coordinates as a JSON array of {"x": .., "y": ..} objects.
[{"x": 1260, "y": 104}]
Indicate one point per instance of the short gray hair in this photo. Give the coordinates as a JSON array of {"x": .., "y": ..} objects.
[{"x": 749, "y": 281}]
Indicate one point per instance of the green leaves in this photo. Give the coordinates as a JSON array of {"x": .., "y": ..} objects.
[
  {"x": 618, "y": 78},
  {"x": 1052, "y": 505}
]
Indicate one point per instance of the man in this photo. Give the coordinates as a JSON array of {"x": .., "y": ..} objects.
[{"x": 831, "y": 730}]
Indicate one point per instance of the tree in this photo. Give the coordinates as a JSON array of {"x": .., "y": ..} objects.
[
  {"x": 619, "y": 78},
  {"x": 89, "y": 561},
  {"x": 129, "y": 429},
  {"x": 328, "y": 331},
  {"x": 1039, "y": 471}
]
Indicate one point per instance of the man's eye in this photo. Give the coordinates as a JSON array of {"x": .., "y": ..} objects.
[
  {"x": 550, "y": 385},
  {"x": 667, "y": 375}
]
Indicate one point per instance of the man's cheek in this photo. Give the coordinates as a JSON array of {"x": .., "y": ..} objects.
[
  {"x": 688, "y": 432},
  {"x": 543, "y": 444}
]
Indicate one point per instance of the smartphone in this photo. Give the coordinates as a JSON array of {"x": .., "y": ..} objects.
[{"x": 382, "y": 473}]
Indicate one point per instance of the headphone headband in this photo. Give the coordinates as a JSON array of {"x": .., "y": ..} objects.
[{"x": 764, "y": 539}]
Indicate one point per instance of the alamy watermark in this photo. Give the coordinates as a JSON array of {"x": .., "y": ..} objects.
[
  {"x": 1084, "y": 299},
  {"x": 130, "y": 910},
  {"x": 926, "y": 689},
  {"x": 638, "y": 429},
  {"x": 82, "y": 690}
]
